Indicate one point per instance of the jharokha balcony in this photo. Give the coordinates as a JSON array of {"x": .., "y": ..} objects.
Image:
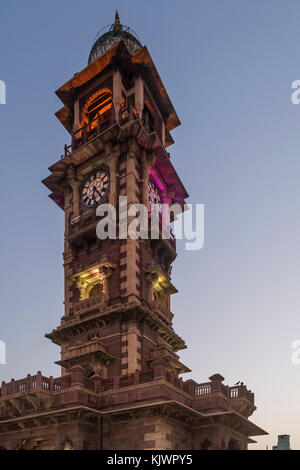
[{"x": 104, "y": 121}]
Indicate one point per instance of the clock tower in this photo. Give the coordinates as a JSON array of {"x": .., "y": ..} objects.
[
  {"x": 121, "y": 385},
  {"x": 117, "y": 291}
]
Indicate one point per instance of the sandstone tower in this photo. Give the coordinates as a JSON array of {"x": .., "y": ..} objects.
[{"x": 121, "y": 384}]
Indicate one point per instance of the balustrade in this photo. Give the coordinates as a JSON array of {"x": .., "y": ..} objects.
[
  {"x": 97, "y": 126},
  {"x": 146, "y": 376},
  {"x": 62, "y": 382},
  {"x": 203, "y": 389},
  {"x": 91, "y": 302},
  {"x": 39, "y": 382}
]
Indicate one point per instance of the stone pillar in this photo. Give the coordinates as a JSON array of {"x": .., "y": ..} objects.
[
  {"x": 28, "y": 382},
  {"x": 97, "y": 382},
  {"x": 76, "y": 198},
  {"x": 216, "y": 382},
  {"x": 132, "y": 192},
  {"x": 117, "y": 93},
  {"x": 51, "y": 383},
  {"x": 159, "y": 366},
  {"x": 191, "y": 386},
  {"x": 74, "y": 183},
  {"x": 39, "y": 380},
  {"x": 112, "y": 155},
  {"x": 76, "y": 116},
  {"x": 163, "y": 133},
  {"x": 139, "y": 96},
  {"x": 151, "y": 278},
  {"x": 3, "y": 389},
  {"x": 131, "y": 335},
  {"x": 105, "y": 274},
  {"x": 148, "y": 162},
  {"x": 58, "y": 444},
  {"x": 77, "y": 375}
]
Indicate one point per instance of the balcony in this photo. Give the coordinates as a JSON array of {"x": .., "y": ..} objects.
[
  {"x": 92, "y": 350},
  {"x": 90, "y": 304},
  {"x": 86, "y": 221},
  {"x": 101, "y": 123},
  {"x": 161, "y": 311}
]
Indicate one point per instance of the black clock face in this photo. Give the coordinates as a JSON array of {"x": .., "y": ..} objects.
[
  {"x": 154, "y": 195},
  {"x": 95, "y": 188}
]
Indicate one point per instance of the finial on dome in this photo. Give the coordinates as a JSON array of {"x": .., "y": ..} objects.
[{"x": 117, "y": 24}]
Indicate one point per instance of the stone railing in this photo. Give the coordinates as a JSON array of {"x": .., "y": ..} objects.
[
  {"x": 238, "y": 391},
  {"x": 89, "y": 131},
  {"x": 241, "y": 391},
  {"x": 86, "y": 220},
  {"x": 31, "y": 382},
  {"x": 62, "y": 383},
  {"x": 90, "y": 304},
  {"x": 101, "y": 123},
  {"x": 202, "y": 389},
  {"x": 97, "y": 384}
]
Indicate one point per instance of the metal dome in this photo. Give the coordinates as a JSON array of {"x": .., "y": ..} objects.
[{"x": 115, "y": 32}]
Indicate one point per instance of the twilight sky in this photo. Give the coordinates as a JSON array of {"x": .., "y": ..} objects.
[{"x": 228, "y": 68}]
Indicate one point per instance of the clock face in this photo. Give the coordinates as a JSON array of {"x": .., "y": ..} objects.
[
  {"x": 95, "y": 188},
  {"x": 154, "y": 195}
]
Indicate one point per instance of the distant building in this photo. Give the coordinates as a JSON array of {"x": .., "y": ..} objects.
[{"x": 283, "y": 443}]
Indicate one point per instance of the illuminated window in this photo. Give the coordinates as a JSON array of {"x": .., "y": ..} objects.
[
  {"x": 96, "y": 290},
  {"x": 100, "y": 104}
]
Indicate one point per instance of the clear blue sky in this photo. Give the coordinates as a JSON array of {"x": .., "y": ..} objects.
[{"x": 228, "y": 67}]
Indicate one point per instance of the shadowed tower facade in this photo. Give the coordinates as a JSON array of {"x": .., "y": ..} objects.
[{"x": 121, "y": 385}]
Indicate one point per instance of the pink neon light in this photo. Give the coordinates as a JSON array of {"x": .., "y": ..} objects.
[{"x": 160, "y": 185}]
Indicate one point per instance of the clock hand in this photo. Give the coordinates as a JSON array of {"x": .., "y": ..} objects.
[{"x": 95, "y": 190}]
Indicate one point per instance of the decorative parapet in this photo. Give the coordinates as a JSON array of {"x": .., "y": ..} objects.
[
  {"x": 93, "y": 350},
  {"x": 76, "y": 376},
  {"x": 90, "y": 304}
]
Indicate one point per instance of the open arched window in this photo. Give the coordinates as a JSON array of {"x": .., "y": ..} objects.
[
  {"x": 99, "y": 104},
  {"x": 96, "y": 290}
]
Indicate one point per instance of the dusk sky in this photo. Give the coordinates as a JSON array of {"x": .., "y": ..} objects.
[{"x": 228, "y": 67}]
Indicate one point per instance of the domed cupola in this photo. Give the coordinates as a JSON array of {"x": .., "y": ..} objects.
[{"x": 116, "y": 32}]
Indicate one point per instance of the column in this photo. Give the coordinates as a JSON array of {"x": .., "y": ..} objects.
[
  {"x": 117, "y": 94},
  {"x": 112, "y": 156},
  {"x": 139, "y": 96}
]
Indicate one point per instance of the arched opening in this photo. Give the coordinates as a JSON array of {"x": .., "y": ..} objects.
[
  {"x": 97, "y": 110},
  {"x": 100, "y": 104},
  {"x": 68, "y": 444},
  {"x": 206, "y": 445},
  {"x": 233, "y": 444},
  {"x": 96, "y": 290},
  {"x": 35, "y": 444},
  {"x": 89, "y": 371}
]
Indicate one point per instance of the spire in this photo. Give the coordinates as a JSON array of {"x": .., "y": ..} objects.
[{"x": 117, "y": 24}]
